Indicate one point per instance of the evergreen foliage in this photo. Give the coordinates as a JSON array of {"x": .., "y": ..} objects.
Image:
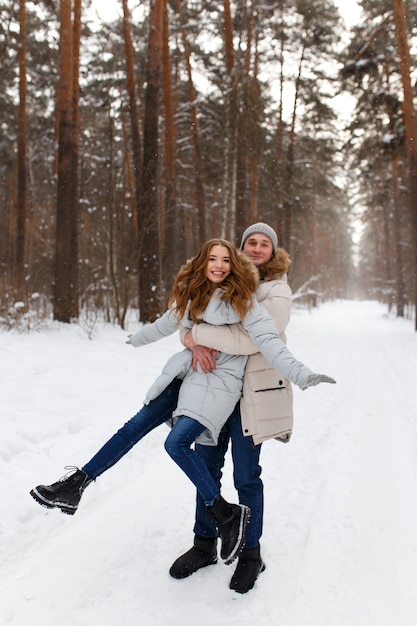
[{"x": 245, "y": 127}]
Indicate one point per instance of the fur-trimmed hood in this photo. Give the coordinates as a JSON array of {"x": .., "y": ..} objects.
[{"x": 276, "y": 267}]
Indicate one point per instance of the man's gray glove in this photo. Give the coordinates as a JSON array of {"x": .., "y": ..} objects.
[{"x": 316, "y": 379}]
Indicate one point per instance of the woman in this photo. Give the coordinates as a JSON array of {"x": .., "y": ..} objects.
[
  {"x": 264, "y": 411},
  {"x": 216, "y": 286}
]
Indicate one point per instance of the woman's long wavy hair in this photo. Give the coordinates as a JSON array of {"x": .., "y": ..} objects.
[{"x": 192, "y": 286}]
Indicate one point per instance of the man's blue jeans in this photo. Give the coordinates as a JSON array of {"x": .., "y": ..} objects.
[
  {"x": 246, "y": 475},
  {"x": 178, "y": 443}
]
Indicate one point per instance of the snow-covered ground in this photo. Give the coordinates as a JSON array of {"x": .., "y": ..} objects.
[{"x": 340, "y": 536}]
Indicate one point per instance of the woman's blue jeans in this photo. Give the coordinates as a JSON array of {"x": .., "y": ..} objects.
[
  {"x": 245, "y": 455},
  {"x": 150, "y": 416},
  {"x": 246, "y": 475},
  {"x": 178, "y": 443}
]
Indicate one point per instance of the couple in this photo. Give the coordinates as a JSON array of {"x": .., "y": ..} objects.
[{"x": 215, "y": 300}]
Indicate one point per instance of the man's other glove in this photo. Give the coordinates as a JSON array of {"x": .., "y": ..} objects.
[{"x": 316, "y": 379}]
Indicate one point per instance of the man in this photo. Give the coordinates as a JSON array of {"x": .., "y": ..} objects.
[{"x": 264, "y": 412}]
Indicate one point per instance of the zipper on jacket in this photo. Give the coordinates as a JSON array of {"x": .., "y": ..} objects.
[{"x": 269, "y": 389}]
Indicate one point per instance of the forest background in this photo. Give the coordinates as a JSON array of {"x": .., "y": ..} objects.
[{"x": 125, "y": 144}]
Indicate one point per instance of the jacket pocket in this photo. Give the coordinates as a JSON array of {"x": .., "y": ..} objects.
[
  {"x": 265, "y": 380},
  {"x": 267, "y": 395}
]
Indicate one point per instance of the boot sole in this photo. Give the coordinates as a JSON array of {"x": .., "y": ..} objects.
[
  {"x": 244, "y": 519},
  {"x": 48, "y": 504}
]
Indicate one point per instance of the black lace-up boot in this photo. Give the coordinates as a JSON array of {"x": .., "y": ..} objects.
[
  {"x": 249, "y": 566},
  {"x": 203, "y": 553},
  {"x": 231, "y": 520},
  {"x": 64, "y": 494}
]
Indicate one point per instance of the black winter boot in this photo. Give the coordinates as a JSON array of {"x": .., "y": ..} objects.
[
  {"x": 231, "y": 520},
  {"x": 203, "y": 553},
  {"x": 64, "y": 494},
  {"x": 249, "y": 566}
]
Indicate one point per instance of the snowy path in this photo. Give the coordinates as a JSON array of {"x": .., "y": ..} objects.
[
  {"x": 340, "y": 530},
  {"x": 359, "y": 561}
]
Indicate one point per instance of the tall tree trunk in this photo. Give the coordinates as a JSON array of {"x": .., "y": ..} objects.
[
  {"x": 399, "y": 278},
  {"x": 280, "y": 141},
  {"x": 130, "y": 194},
  {"x": 21, "y": 159},
  {"x": 396, "y": 207},
  {"x": 253, "y": 156},
  {"x": 111, "y": 222},
  {"x": 173, "y": 236},
  {"x": 149, "y": 266},
  {"x": 409, "y": 122},
  {"x": 231, "y": 126},
  {"x": 65, "y": 299},
  {"x": 246, "y": 121},
  {"x": 75, "y": 152},
  {"x": 134, "y": 128}
]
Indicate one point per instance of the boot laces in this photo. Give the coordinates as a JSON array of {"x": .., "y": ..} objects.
[{"x": 72, "y": 469}]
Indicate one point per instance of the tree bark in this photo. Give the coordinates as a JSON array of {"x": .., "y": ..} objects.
[
  {"x": 231, "y": 127},
  {"x": 65, "y": 293},
  {"x": 75, "y": 153},
  {"x": 21, "y": 159},
  {"x": 254, "y": 137},
  {"x": 409, "y": 123},
  {"x": 149, "y": 265},
  {"x": 280, "y": 141},
  {"x": 173, "y": 236},
  {"x": 245, "y": 122},
  {"x": 134, "y": 126}
]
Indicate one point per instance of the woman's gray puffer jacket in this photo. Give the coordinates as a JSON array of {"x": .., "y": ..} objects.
[
  {"x": 266, "y": 405},
  {"x": 210, "y": 398}
]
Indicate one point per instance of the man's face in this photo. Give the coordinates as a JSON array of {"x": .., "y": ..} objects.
[{"x": 258, "y": 248}]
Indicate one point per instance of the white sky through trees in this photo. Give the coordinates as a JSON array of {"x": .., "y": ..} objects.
[{"x": 349, "y": 10}]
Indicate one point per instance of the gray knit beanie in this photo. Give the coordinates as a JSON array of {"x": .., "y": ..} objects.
[{"x": 264, "y": 229}]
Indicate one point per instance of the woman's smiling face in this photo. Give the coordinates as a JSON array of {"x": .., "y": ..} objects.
[{"x": 218, "y": 264}]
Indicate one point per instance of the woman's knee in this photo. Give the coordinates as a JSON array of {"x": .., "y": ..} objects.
[
  {"x": 172, "y": 445},
  {"x": 167, "y": 446}
]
